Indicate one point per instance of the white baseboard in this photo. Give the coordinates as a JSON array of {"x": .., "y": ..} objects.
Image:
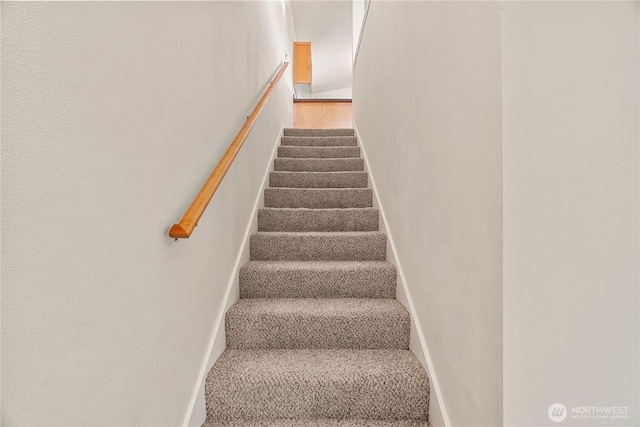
[
  {"x": 196, "y": 411},
  {"x": 438, "y": 415}
]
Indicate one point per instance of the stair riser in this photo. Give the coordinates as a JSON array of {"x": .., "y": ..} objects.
[
  {"x": 318, "y": 219},
  {"x": 318, "y": 247},
  {"x": 249, "y": 392},
  {"x": 372, "y": 282},
  {"x": 318, "y": 132},
  {"x": 319, "y": 141},
  {"x": 296, "y": 399},
  {"x": 318, "y": 179},
  {"x": 318, "y": 198},
  {"x": 318, "y": 152},
  {"x": 377, "y": 330},
  {"x": 318, "y": 165}
]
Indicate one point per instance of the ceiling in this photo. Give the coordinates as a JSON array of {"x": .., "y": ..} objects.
[{"x": 328, "y": 26}]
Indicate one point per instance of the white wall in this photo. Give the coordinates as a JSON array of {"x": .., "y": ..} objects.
[
  {"x": 427, "y": 108},
  {"x": 570, "y": 83},
  {"x": 357, "y": 16},
  {"x": 342, "y": 93},
  {"x": 113, "y": 115},
  {"x": 328, "y": 26},
  {"x": 360, "y": 10},
  {"x": 456, "y": 102}
]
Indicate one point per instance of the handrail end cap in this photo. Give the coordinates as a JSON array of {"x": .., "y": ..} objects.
[{"x": 177, "y": 232}]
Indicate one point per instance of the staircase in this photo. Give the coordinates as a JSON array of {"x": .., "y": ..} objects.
[{"x": 317, "y": 337}]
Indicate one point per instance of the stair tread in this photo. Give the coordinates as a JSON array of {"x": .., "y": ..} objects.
[
  {"x": 329, "y": 307},
  {"x": 318, "y": 423},
  {"x": 323, "y": 159},
  {"x": 328, "y": 365},
  {"x": 339, "y": 179},
  {"x": 339, "y": 219},
  {"x": 302, "y": 164},
  {"x": 285, "y": 151},
  {"x": 318, "y": 265},
  {"x": 319, "y": 141},
  {"x": 317, "y": 323},
  {"x": 341, "y": 383},
  {"x": 325, "y": 190},
  {"x": 318, "y": 132},
  {"x": 318, "y": 245},
  {"x": 364, "y": 209},
  {"x": 318, "y": 279},
  {"x": 318, "y": 197},
  {"x": 328, "y": 219},
  {"x": 320, "y": 173},
  {"x": 322, "y": 234}
]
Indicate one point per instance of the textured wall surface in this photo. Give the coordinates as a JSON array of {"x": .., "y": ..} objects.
[
  {"x": 571, "y": 210},
  {"x": 427, "y": 107},
  {"x": 113, "y": 115},
  {"x": 503, "y": 139}
]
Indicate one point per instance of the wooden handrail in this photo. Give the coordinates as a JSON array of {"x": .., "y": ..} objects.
[{"x": 185, "y": 227}]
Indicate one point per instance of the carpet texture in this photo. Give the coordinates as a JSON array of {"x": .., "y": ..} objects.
[
  {"x": 318, "y": 279},
  {"x": 318, "y": 165},
  {"x": 317, "y": 383},
  {"x": 319, "y": 140},
  {"x": 318, "y": 132},
  {"x": 315, "y": 198},
  {"x": 346, "y": 219},
  {"x": 318, "y": 246},
  {"x": 317, "y": 323},
  {"x": 318, "y": 152},
  {"x": 317, "y": 423},
  {"x": 317, "y": 337},
  {"x": 341, "y": 179}
]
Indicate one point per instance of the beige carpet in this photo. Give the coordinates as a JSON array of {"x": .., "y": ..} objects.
[{"x": 317, "y": 338}]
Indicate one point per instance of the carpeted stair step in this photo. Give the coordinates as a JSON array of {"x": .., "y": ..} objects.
[
  {"x": 357, "y": 179},
  {"x": 291, "y": 219},
  {"x": 297, "y": 323},
  {"x": 317, "y": 384},
  {"x": 319, "y": 141},
  {"x": 318, "y": 279},
  {"x": 318, "y": 246},
  {"x": 318, "y": 152},
  {"x": 316, "y": 423},
  {"x": 318, "y": 198},
  {"x": 318, "y": 132},
  {"x": 317, "y": 338},
  {"x": 318, "y": 165}
]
